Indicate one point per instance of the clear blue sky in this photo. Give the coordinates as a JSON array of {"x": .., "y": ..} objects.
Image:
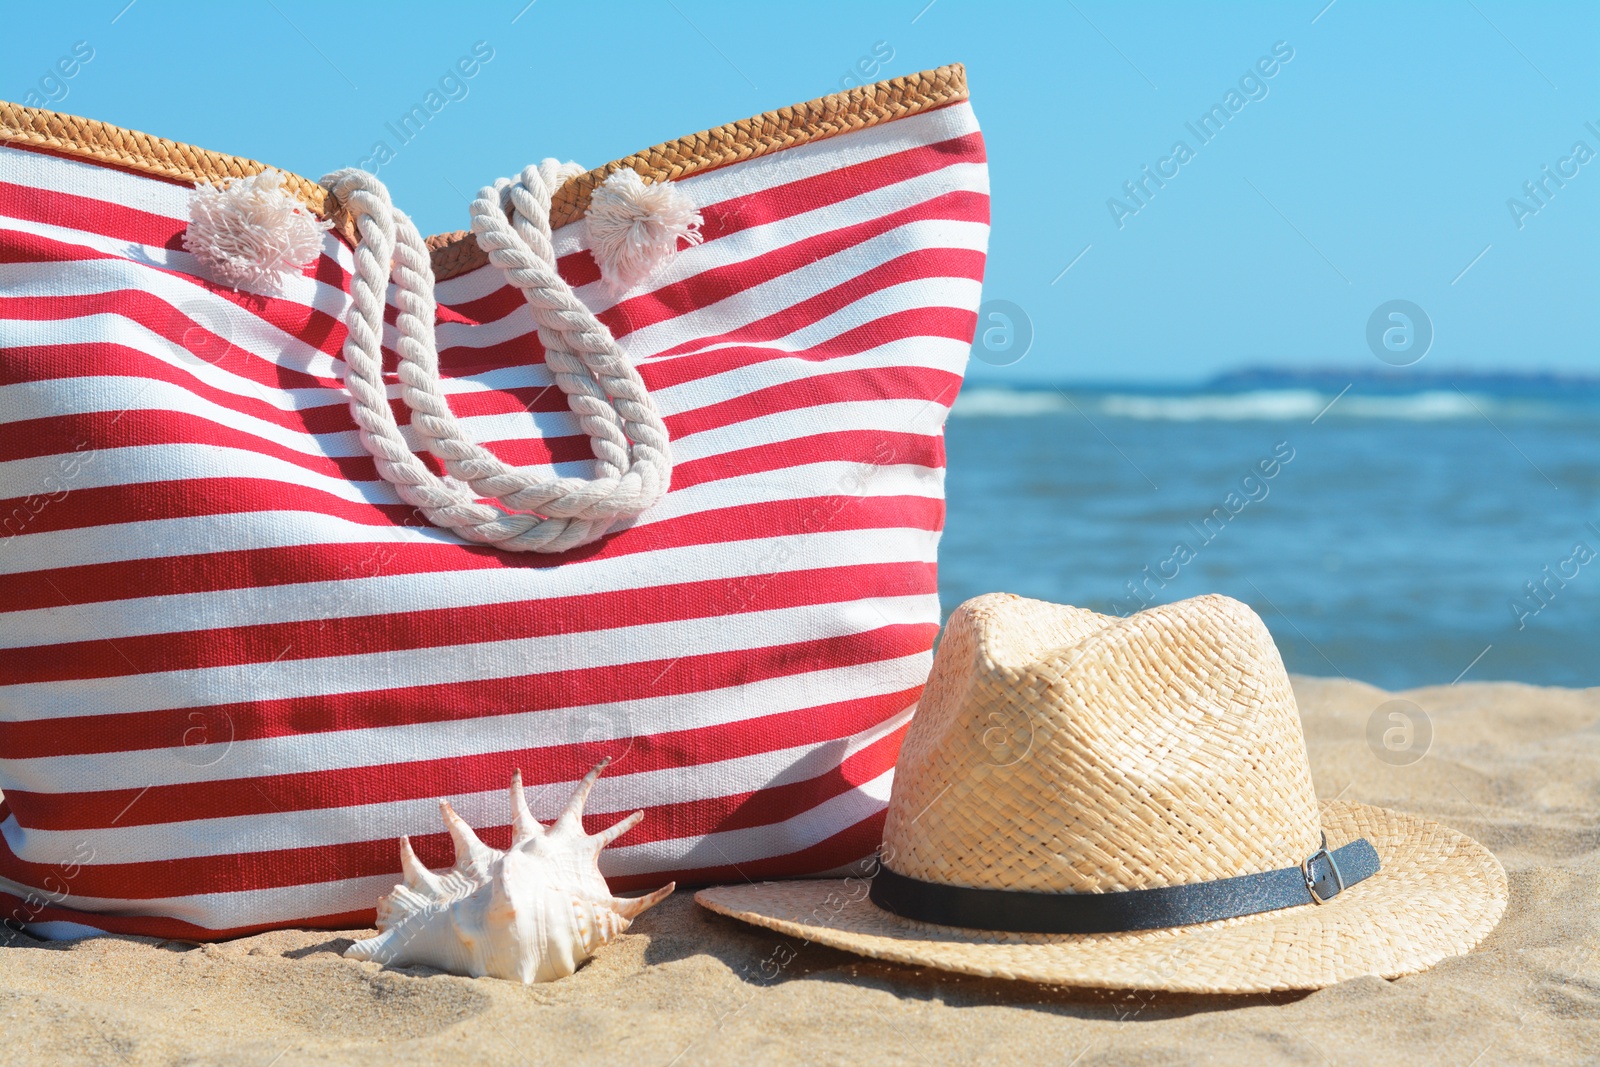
[{"x": 1377, "y": 165}]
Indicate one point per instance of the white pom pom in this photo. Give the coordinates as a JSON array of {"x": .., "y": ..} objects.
[
  {"x": 634, "y": 228},
  {"x": 250, "y": 232}
]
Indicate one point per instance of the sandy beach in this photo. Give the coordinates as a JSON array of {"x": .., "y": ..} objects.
[{"x": 1515, "y": 766}]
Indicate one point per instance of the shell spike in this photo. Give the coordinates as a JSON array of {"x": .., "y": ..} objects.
[
  {"x": 616, "y": 830},
  {"x": 417, "y": 876},
  {"x": 524, "y": 827},
  {"x": 473, "y": 857},
  {"x": 531, "y": 914},
  {"x": 580, "y": 795},
  {"x": 630, "y": 908}
]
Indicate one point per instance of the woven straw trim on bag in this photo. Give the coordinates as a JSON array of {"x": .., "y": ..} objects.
[
  {"x": 814, "y": 120},
  {"x": 456, "y": 253},
  {"x": 158, "y": 157}
]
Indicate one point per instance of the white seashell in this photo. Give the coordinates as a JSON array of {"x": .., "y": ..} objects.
[{"x": 533, "y": 913}]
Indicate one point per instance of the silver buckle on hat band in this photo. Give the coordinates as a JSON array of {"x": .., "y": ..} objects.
[{"x": 1311, "y": 878}]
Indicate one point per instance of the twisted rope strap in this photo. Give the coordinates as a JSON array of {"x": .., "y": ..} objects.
[{"x": 511, "y": 221}]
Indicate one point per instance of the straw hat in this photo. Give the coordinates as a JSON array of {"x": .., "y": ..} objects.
[{"x": 1143, "y": 784}]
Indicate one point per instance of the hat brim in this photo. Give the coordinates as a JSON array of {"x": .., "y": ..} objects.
[{"x": 1437, "y": 894}]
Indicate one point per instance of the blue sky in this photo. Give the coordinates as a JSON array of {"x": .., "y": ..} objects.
[{"x": 1375, "y": 164}]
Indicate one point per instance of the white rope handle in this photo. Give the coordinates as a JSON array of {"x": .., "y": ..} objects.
[{"x": 602, "y": 386}]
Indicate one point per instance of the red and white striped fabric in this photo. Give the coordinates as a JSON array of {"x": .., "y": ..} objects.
[{"x": 234, "y": 668}]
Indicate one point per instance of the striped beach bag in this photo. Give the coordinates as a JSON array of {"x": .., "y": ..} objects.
[{"x": 308, "y": 522}]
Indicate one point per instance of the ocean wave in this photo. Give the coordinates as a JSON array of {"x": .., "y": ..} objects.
[
  {"x": 1418, "y": 406},
  {"x": 1277, "y": 405},
  {"x": 992, "y": 402},
  {"x": 1266, "y": 404},
  {"x": 1262, "y": 405}
]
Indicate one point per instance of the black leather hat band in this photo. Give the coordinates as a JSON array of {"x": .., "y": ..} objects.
[{"x": 1319, "y": 879}]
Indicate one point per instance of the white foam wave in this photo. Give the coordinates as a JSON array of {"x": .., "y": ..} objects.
[
  {"x": 1266, "y": 404},
  {"x": 1287, "y": 404},
  {"x": 1418, "y": 406},
  {"x": 1262, "y": 405},
  {"x": 994, "y": 402}
]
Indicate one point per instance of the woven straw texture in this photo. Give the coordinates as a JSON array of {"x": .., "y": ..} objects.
[
  {"x": 457, "y": 253},
  {"x": 827, "y": 116},
  {"x": 1057, "y": 750},
  {"x": 100, "y": 142},
  {"x": 1439, "y": 893},
  {"x": 1063, "y": 751}
]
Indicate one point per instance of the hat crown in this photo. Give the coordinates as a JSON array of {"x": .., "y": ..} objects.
[{"x": 1059, "y": 750}]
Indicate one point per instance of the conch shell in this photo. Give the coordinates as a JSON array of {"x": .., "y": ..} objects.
[{"x": 533, "y": 913}]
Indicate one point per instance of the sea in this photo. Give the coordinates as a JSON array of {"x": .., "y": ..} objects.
[{"x": 1400, "y": 530}]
